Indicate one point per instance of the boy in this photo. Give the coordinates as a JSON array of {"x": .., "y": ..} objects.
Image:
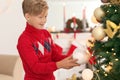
[{"x": 39, "y": 54}]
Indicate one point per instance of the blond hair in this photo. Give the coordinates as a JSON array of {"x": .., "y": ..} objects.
[{"x": 34, "y": 7}]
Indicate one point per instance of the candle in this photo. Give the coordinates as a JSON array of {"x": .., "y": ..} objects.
[
  {"x": 74, "y": 28},
  {"x": 74, "y": 21},
  {"x": 84, "y": 18},
  {"x": 64, "y": 14},
  {"x": 84, "y": 13}
]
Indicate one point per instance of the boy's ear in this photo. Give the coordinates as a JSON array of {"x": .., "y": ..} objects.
[{"x": 27, "y": 15}]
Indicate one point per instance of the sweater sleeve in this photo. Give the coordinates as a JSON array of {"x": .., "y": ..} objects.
[
  {"x": 30, "y": 59},
  {"x": 56, "y": 54}
]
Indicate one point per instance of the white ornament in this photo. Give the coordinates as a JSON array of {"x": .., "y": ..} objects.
[
  {"x": 99, "y": 14},
  {"x": 98, "y": 33},
  {"x": 81, "y": 54},
  {"x": 87, "y": 74}
]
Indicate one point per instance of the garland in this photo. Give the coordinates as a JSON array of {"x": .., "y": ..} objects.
[
  {"x": 115, "y": 1},
  {"x": 70, "y": 25}
]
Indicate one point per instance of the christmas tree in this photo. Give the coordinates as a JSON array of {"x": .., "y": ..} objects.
[{"x": 105, "y": 45}]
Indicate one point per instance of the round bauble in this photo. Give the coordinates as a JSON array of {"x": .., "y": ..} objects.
[
  {"x": 105, "y": 1},
  {"x": 99, "y": 14},
  {"x": 93, "y": 19},
  {"x": 108, "y": 69},
  {"x": 81, "y": 55},
  {"x": 87, "y": 74},
  {"x": 98, "y": 33}
]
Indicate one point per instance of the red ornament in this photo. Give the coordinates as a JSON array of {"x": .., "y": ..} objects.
[{"x": 92, "y": 59}]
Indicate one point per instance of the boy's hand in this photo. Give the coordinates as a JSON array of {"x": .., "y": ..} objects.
[{"x": 67, "y": 63}]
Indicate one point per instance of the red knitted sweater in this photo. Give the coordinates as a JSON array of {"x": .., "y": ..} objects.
[{"x": 38, "y": 53}]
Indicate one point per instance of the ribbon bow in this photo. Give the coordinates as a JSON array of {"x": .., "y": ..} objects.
[{"x": 112, "y": 28}]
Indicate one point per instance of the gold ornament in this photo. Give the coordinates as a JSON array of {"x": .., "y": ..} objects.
[
  {"x": 74, "y": 77},
  {"x": 98, "y": 33},
  {"x": 108, "y": 68},
  {"x": 87, "y": 74},
  {"x": 115, "y": 1},
  {"x": 112, "y": 28},
  {"x": 99, "y": 14},
  {"x": 90, "y": 43}
]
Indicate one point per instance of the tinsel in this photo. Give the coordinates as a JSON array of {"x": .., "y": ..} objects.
[{"x": 115, "y": 2}]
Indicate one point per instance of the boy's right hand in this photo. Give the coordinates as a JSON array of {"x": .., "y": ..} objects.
[{"x": 67, "y": 63}]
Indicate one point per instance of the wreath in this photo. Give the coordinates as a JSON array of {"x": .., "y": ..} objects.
[{"x": 70, "y": 27}]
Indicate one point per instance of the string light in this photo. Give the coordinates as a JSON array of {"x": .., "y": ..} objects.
[
  {"x": 101, "y": 56},
  {"x": 110, "y": 5},
  {"x": 115, "y": 10},
  {"x": 105, "y": 74},
  {"x": 113, "y": 49},
  {"x": 107, "y": 52},
  {"x": 97, "y": 70},
  {"x": 114, "y": 54},
  {"x": 116, "y": 59},
  {"x": 110, "y": 63}
]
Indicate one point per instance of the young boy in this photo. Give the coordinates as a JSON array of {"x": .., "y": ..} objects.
[{"x": 40, "y": 56}]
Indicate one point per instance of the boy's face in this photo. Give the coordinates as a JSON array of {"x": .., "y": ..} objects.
[{"x": 37, "y": 21}]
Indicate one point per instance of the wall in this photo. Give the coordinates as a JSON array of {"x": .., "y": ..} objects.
[
  {"x": 12, "y": 22},
  {"x": 72, "y": 8}
]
